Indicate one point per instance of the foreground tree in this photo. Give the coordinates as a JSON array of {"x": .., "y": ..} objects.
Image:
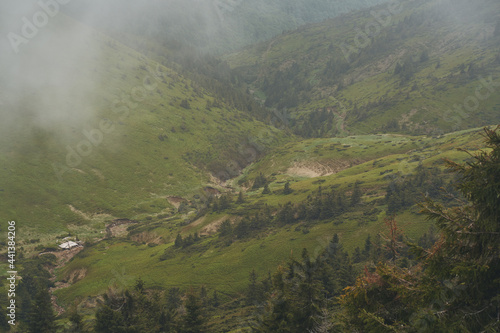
[
  {"x": 302, "y": 293},
  {"x": 456, "y": 287},
  {"x": 467, "y": 259},
  {"x": 42, "y": 317}
]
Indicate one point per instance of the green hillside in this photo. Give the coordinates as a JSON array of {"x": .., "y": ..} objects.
[
  {"x": 257, "y": 191},
  {"x": 153, "y": 134},
  {"x": 147, "y": 250},
  {"x": 208, "y": 26},
  {"x": 414, "y": 67}
]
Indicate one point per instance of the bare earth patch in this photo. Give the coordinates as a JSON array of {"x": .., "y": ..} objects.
[
  {"x": 175, "y": 201},
  {"x": 147, "y": 237},
  {"x": 214, "y": 226},
  {"x": 317, "y": 169},
  {"x": 118, "y": 228}
]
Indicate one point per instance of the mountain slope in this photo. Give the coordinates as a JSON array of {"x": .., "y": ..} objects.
[
  {"x": 147, "y": 250},
  {"x": 409, "y": 68},
  {"x": 115, "y": 140},
  {"x": 213, "y": 26}
]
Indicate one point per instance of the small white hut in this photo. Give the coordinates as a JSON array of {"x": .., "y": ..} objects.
[{"x": 68, "y": 245}]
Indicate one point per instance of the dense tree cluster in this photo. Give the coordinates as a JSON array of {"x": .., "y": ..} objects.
[
  {"x": 320, "y": 205},
  {"x": 34, "y": 312},
  {"x": 315, "y": 124},
  {"x": 142, "y": 310},
  {"x": 406, "y": 191},
  {"x": 299, "y": 294}
]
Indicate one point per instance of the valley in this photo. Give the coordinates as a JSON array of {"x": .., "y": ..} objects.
[{"x": 251, "y": 167}]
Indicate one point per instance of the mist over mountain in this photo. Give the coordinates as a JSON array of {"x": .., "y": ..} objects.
[
  {"x": 49, "y": 75},
  {"x": 249, "y": 166},
  {"x": 210, "y": 25},
  {"x": 395, "y": 68},
  {"x": 48, "y": 67}
]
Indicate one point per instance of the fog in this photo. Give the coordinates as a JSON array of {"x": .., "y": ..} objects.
[
  {"x": 49, "y": 55},
  {"x": 47, "y": 80}
]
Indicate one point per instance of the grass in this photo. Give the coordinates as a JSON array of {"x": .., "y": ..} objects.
[
  {"x": 161, "y": 149},
  {"x": 119, "y": 262},
  {"x": 373, "y": 96},
  {"x": 155, "y": 148}
]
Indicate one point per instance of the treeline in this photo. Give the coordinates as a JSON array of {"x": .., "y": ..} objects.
[
  {"x": 297, "y": 296},
  {"x": 33, "y": 307},
  {"x": 287, "y": 88},
  {"x": 405, "y": 192},
  {"x": 305, "y": 295},
  {"x": 315, "y": 124},
  {"x": 321, "y": 204},
  {"x": 442, "y": 284},
  {"x": 150, "y": 311}
]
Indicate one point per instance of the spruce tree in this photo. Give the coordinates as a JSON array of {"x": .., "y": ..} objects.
[
  {"x": 287, "y": 189},
  {"x": 42, "y": 316},
  {"x": 215, "y": 299},
  {"x": 193, "y": 319},
  {"x": 240, "y": 199},
  {"x": 76, "y": 319},
  {"x": 356, "y": 195},
  {"x": 253, "y": 292},
  {"x": 178, "y": 241},
  {"x": 455, "y": 287}
]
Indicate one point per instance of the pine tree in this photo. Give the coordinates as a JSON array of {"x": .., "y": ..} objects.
[
  {"x": 226, "y": 228},
  {"x": 178, "y": 241},
  {"x": 215, "y": 299},
  {"x": 173, "y": 298},
  {"x": 253, "y": 292},
  {"x": 203, "y": 295},
  {"x": 356, "y": 195},
  {"x": 76, "y": 319},
  {"x": 287, "y": 189},
  {"x": 193, "y": 319},
  {"x": 468, "y": 256},
  {"x": 185, "y": 104},
  {"x": 225, "y": 202},
  {"x": 368, "y": 247},
  {"x": 42, "y": 316},
  {"x": 241, "y": 230},
  {"x": 240, "y": 199},
  {"x": 357, "y": 256},
  {"x": 455, "y": 287},
  {"x": 260, "y": 181},
  {"x": 139, "y": 285},
  {"x": 107, "y": 320}
]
